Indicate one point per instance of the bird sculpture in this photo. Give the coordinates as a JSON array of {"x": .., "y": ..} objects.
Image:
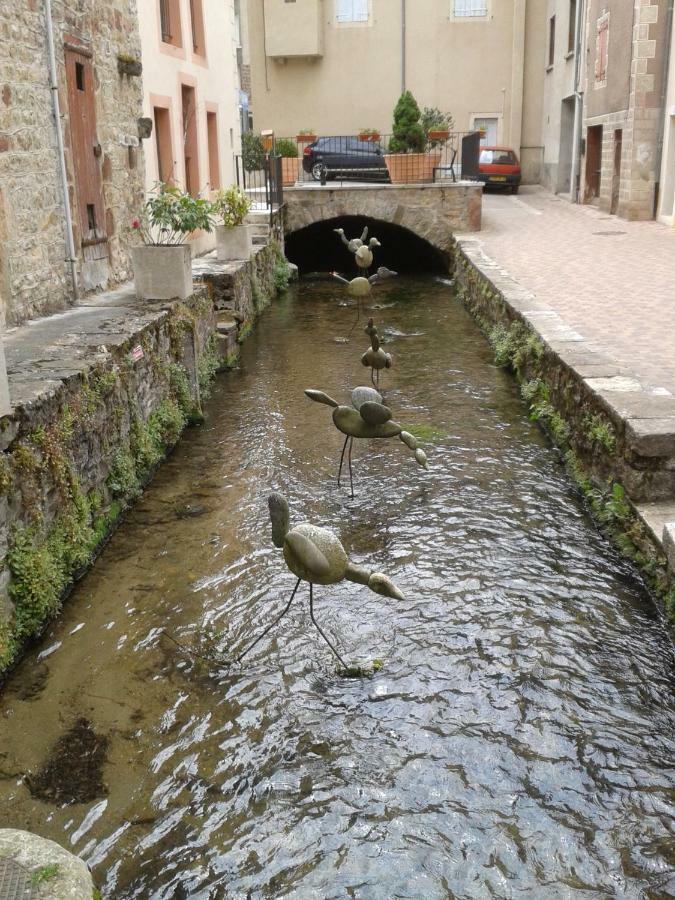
[
  {"x": 353, "y": 244},
  {"x": 375, "y": 358},
  {"x": 367, "y": 417},
  {"x": 316, "y": 555},
  {"x": 362, "y": 287}
]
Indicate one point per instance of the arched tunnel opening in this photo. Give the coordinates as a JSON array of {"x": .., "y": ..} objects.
[{"x": 316, "y": 248}]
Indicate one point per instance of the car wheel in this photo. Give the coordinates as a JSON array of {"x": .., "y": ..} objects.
[{"x": 317, "y": 170}]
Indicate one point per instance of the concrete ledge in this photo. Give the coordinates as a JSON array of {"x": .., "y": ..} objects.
[{"x": 43, "y": 867}]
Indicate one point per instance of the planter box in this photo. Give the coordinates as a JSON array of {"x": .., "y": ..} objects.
[
  {"x": 290, "y": 170},
  {"x": 411, "y": 168},
  {"x": 438, "y": 134},
  {"x": 162, "y": 273},
  {"x": 372, "y": 136},
  {"x": 233, "y": 243},
  {"x": 305, "y": 138}
]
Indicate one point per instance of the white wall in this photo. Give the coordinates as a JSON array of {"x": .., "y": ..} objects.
[{"x": 666, "y": 209}]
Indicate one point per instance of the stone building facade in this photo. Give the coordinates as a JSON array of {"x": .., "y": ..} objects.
[
  {"x": 95, "y": 41},
  {"x": 626, "y": 43}
]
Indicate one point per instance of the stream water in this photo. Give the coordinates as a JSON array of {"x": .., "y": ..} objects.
[{"x": 519, "y": 740}]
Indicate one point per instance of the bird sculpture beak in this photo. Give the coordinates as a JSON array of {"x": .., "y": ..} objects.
[{"x": 384, "y": 586}]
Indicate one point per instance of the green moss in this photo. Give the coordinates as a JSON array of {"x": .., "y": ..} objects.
[
  {"x": 44, "y": 873},
  {"x": 245, "y": 329},
  {"x": 7, "y": 645},
  {"x": 97, "y": 895},
  {"x": 230, "y": 360},
  {"x": 209, "y": 362},
  {"x": 5, "y": 474},
  {"x": 282, "y": 275},
  {"x": 600, "y": 431},
  {"x": 26, "y": 460},
  {"x": 122, "y": 478},
  {"x": 425, "y": 433}
]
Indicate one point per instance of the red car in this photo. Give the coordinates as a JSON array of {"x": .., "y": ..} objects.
[{"x": 499, "y": 167}]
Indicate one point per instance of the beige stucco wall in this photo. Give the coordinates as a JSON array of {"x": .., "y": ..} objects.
[
  {"x": 667, "y": 196},
  {"x": 557, "y": 124},
  {"x": 469, "y": 67},
  {"x": 214, "y": 78}
]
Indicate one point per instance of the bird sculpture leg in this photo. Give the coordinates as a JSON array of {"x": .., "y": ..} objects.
[
  {"x": 372, "y": 376},
  {"x": 342, "y": 458},
  {"x": 270, "y": 627},
  {"x": 358, "y": 315},
  {"x": 349, "y": 460},
  {"x": 318, "y": 627}
]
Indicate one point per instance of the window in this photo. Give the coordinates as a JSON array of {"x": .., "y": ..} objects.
[
  {"x": 169, "y": 18},
  {"x": 197, "y": 20},
  {"x": 498, "y": 158},
  {"x": 469, "y": 8},
  {"x": 351, "y": 10},
  {"x": 190, "y": 145},
  {"x": 551, "y": 41},
  {"x": 572, "y": 26},
  {"x": 79, "y": 76},
  {"x": 214, "y": 161},
  {"x": 602, "y": 51}
]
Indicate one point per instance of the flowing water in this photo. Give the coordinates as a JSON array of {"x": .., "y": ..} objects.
[{"x": 518, "y": 741}]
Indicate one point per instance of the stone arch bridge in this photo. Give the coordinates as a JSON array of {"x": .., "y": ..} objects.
[{"x": 417, "y": 221}]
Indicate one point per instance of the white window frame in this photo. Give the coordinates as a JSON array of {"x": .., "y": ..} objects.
[
  {"x": 463, "y": 10},
  {"x": 356, "y": 16}
]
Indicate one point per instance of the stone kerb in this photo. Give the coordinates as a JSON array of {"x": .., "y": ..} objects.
[
  {"x": 42, "y": 867},
  {"x": 432, "y": 211}
]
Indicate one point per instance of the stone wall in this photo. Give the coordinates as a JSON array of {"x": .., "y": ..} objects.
[
  {"x": 101, "y": 394},
  {"x": 34, "y": 274},
  {"x": 432, "y": 211},
  {"x": 617, "y": 437}
]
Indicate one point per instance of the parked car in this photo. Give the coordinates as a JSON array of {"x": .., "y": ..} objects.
[
  {"x": 499, "y": 167},
  {"x": 345, "y": 157}
]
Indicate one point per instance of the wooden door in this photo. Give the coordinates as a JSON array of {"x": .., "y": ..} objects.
[{"x": 86, "y": 152}]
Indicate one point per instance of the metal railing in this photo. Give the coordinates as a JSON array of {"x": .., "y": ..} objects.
[
  {"x": 360, "y": 158},
  {"x": 263, "y": 186}
]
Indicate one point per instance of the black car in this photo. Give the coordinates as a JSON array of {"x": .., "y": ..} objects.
[{"x": 345, "y": 157}]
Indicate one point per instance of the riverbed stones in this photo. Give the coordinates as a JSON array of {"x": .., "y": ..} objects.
[{"x": 40, "y": 868}]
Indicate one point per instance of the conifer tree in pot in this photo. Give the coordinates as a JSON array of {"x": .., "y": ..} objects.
[{"x": 406, "y": 160}]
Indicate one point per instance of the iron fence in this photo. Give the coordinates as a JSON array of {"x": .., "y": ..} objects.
[
  {"x": 263, "y": 185},
  {"x": 446, "y": 157}
]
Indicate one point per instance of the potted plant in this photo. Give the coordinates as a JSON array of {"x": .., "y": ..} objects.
[
  {"x": 290, "y": 164},
  {"x": 163, "y": 264},
  {"x": 437, "y": 125},
  {"x": 233, "y": 238},
  {"x": 306, "y": 136},
  {"x": 129, "y": 65},
  {"x": 406, "y": 160},
  {"x": 369, "y": 134}
]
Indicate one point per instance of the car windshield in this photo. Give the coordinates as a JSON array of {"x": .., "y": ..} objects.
[{"x": 498, "y": 158}]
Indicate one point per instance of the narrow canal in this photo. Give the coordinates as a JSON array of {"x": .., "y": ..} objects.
[{"x": 518, "y": 741}]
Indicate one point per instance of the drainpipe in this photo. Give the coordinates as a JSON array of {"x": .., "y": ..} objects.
[
  {"x": 54, "y": 88},
  {"x": 403, "y": 27},
  {"x": 578, "y": 107},
  {"x": 664, "y": 97}
]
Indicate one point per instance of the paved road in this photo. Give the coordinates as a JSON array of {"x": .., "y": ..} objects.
[{"x": 611, "y": 280}]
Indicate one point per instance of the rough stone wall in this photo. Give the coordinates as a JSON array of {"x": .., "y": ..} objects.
[
  {"x": 434, "y": 212},
  {"x": 34, "y": 274},
  {"x": 75, "y": 456}
]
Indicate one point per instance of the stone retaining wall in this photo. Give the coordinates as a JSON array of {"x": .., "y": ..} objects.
[
  {"x": 618, "y": 437},
  {"x": 100, "y": 396}
]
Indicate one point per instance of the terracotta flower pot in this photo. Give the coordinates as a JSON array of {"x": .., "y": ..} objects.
[
  {"x": 372, "y": 136},
  {"x": 411, "y": 168},
  {"x": 438, "y": 134},
  {"x": 305, "y": 138},
  {"x": 162, "y": 273},
  {"x": 290, "y": 170},
  {"x": 233, "y": 243}
]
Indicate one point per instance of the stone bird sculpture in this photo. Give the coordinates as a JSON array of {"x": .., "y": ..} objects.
[
  {"x": 367, "y": 417},
  {"x": 316, "y": 555},
  {"x": 362, "y": 287},
  {"x": 353, "y": 244},
  {"x": 375, "y": 358}
]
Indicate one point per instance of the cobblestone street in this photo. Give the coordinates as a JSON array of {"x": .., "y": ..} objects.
[{"x": 611, "y": 280}]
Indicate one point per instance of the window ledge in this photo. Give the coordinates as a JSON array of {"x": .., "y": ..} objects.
[
  {"x": 569, "y": 54},
  {"x": 549, "y": 68}
]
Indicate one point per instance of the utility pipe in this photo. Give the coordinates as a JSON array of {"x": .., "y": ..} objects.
[
  {"x": 578, "y": 106},
  {"x": 54, "y": 88},
  {"x": 403, "y": 43},
  {"x": 664, "y": 97}
]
